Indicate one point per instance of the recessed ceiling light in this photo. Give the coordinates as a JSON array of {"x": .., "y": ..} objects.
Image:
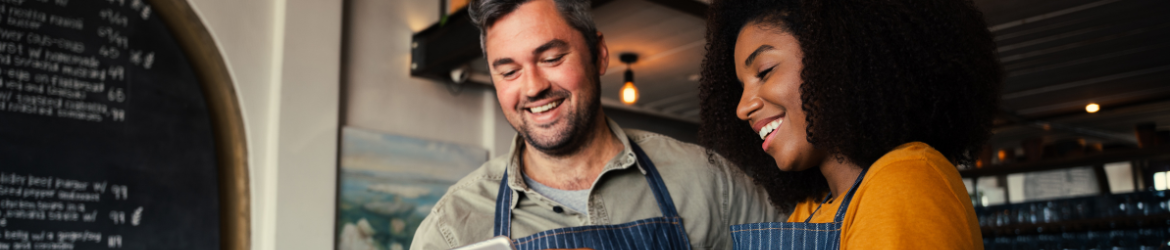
[{"x": 1092, "y": 108}]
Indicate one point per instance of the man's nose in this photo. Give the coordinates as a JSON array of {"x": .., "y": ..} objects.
[{"x": 535, "y": 83}]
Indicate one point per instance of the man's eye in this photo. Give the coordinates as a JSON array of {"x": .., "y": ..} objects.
[
  {"x": 554, "y": 59},
  {"x": 508, "y": 73}
]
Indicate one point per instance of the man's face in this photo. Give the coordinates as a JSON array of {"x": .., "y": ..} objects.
[{"x": 544, "y": 76}]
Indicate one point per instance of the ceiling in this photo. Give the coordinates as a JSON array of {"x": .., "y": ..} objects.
[
  {"x": 670, "y": 45},
  {"x": 1058, "y": 57},
  {"x": 1062, "y": 55}
]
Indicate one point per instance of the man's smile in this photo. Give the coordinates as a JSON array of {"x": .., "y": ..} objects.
[{"x": 545, "y": 107}]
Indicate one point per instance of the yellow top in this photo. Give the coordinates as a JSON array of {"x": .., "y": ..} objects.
[{"x": 911, "y": 198}]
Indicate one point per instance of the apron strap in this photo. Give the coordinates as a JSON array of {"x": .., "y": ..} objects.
[
  {"x": 503, "y": 220},
  {"x": 849, "y": 197},
  {"x": 665, "y": 203},
  {"x": 840, "y": 216},
  {"x": 826, "y": 199}
]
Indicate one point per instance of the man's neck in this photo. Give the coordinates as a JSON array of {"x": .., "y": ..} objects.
[{"x": 578, "y": 170}]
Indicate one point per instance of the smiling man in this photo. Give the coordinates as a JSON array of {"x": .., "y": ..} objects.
[{"x": 574, "y": 178}]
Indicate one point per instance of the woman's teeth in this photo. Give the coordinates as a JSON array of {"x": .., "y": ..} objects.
[
  {"x": 545, "y": 107},
  {"x": 767, "y": 129}
]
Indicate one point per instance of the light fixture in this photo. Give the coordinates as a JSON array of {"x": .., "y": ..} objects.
[
  {"x": 629, "y": 93},
  {"x": 1092, "y": 108}
]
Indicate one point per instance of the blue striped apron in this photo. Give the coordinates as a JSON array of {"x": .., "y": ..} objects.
[
  {"x": 664, "y": 232},
  {"x": 795, "y": 235}
]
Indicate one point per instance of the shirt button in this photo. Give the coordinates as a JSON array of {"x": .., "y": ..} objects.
[{"x": 558, "y": 209}]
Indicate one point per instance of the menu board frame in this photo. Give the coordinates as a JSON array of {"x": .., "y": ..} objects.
[{"x": 227, "y": 121}]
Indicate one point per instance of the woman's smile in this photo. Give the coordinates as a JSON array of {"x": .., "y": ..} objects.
[{"x": 766, "y": 128}]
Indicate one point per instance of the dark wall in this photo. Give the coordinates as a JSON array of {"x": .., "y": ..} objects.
[{"x": 683, "y": 131}]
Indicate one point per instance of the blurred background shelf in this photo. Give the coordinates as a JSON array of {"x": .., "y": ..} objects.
[
  {"x": 1083, "y": 225},
  {"x": 1137, "y": 220},
  {"x": 1155, "y": 153}
]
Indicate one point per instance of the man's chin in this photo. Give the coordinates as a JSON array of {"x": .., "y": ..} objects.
[
  {"x": 542, "y": 141},
  {"x": 550, "y": 142}
]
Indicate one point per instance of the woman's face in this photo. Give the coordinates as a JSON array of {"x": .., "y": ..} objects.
[{"x": 768, "y": 64}]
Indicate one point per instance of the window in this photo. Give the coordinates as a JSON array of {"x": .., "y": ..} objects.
[{"x": 1161, "y": 179}]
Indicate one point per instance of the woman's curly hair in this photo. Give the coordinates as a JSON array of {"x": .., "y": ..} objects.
[{"x": 877, "y": 74}]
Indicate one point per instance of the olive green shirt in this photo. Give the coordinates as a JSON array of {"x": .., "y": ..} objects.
[{"x": 709, "y": 193}]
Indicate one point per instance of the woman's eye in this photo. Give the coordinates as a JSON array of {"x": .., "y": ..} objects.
[{"x": 764, "y": 73}]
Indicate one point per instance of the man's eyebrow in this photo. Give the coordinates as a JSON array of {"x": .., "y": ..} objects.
[
  {"x": 554, "y": 44},
  {"x": 759, "y": 50},
  {"x": 502, "y": 61}
]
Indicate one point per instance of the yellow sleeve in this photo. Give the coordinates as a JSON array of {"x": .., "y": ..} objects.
[{"x": 911, "y": 204}]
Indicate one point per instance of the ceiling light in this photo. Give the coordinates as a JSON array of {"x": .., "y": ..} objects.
[
  {"x": 1092, "y": 108},
  {"x": 629, "y": 92}
]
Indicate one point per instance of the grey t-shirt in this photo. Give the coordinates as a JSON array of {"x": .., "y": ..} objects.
[{"x": 577, "y": 200}]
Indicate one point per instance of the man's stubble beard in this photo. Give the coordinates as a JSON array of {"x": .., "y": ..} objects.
[{"x": 580, "y": 125}]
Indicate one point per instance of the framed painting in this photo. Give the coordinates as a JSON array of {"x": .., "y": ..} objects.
[{"x": 389, "y": 183}]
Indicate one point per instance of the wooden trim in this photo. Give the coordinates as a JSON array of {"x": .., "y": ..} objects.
[
  {"x": 692, "y": 7},
  {"x": 1102, "y": 179},
  {"x": 1086, "y": 160},
  {"x": 227, "y": 122}
]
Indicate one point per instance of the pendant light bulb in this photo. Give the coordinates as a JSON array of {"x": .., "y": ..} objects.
[
  {"x": 629, "y": 93},
  {"x": 1092, "y": 108}
]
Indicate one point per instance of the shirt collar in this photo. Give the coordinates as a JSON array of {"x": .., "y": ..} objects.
[{"x": 622, "y": 160}]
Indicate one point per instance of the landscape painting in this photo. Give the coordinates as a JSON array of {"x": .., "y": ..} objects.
[{"x": 389, "y": 183}]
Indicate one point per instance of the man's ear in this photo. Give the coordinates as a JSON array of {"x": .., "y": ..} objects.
[{"x": 602, "y": 54}]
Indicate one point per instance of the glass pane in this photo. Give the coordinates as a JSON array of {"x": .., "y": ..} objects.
[{"x": 1160, "y": 181}]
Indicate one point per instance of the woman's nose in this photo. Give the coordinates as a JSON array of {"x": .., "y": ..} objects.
[{"x": 748, "y": 103}]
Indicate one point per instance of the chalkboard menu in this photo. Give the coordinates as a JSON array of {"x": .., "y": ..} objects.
[{"x": 118, "y": 129}]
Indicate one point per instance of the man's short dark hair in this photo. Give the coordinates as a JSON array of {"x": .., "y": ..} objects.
[{"x": 485, "y": 13}]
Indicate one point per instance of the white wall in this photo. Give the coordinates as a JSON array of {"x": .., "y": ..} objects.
[
  {"x": 284, "y": 56},
  {"x": 382, "y": 96},
  {"x": 284, "y": 59}
]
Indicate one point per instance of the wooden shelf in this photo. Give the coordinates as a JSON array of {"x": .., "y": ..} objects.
[
  {"x": 1084, "y": 160},
  {"x": 1114, "y": 223}
]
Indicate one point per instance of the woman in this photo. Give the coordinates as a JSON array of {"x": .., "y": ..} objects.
[{"x": 854, "y": 114}]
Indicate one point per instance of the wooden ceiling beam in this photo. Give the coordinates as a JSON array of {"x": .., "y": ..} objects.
[
  {"x": 615, "y": 104},
  {"x": 599, "y": 3},
  {"x": 1081, "y": 112},
  {"x": 692, "y": 7}
]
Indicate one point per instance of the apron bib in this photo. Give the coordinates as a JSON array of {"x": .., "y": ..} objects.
[
  {"x": 795, "y": 235},
  {"x": 664, "y": 232}
]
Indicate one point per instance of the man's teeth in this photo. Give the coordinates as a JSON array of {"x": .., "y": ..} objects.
[
  {"x": 545, "y": 107},
  {"x": 767, "y": 129}
]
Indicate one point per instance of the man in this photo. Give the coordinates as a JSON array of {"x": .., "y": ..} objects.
[{"x": 574, "y": 178}]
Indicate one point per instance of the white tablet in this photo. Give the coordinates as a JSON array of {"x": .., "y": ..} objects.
[{"x": 495, "y": 243}]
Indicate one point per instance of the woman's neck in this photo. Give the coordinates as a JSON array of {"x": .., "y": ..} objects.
[{"x": 841, "y": 174}]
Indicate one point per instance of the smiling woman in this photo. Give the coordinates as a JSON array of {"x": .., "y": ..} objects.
[{"x": 831, "y": 106}]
